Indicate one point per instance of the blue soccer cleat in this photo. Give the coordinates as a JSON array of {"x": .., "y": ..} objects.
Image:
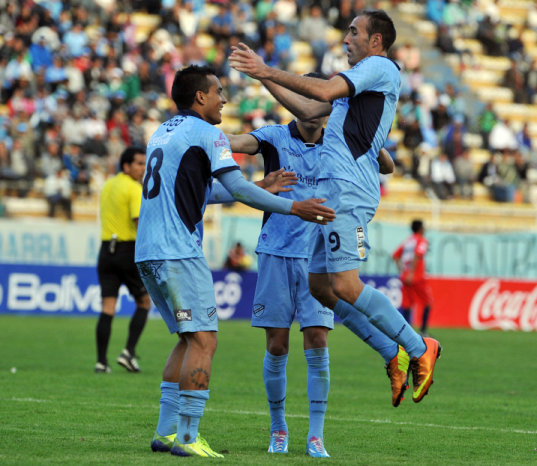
[
  {"x": 279, "y": 442},
  {"x": 315, "y": 448},
  {"x": 162, "y": 443}
]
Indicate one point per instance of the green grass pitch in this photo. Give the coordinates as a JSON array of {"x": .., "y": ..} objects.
[{"x": 482, "y": 408}]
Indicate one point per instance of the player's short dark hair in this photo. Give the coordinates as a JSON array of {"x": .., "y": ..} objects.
[
  {"x": 379, "y": 22},
  {"x": 188, "y": 81},
  {"x": 127, "y": 156},
  {"x": 316, "y": 74},
  {"x": 416, "y": 225}
]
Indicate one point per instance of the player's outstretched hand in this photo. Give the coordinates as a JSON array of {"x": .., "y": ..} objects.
[
  {"x": 312, "y": 210},
  {"x": 244, "y": 59},
  {"x": 278, "y": 181}
]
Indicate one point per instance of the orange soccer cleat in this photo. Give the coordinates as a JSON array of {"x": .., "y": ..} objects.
[
  {"x": 423, "y": 367},
  {"x": 397, "y": 370}
]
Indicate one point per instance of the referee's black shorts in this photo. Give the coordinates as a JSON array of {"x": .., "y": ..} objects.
[{"x": 117, "y": 268}]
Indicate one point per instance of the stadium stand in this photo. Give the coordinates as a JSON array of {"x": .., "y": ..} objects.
[{"x": 128, "y": 60}]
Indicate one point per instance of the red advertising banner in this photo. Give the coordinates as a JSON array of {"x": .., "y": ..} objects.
[{"x": 484, "y": 303}]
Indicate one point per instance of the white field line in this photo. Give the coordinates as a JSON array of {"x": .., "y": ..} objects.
[{"x": 301, "y": 416}]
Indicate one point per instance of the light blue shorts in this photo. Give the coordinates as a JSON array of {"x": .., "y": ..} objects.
[
  {"x": 183, "y": 292},
  {"x": 282, "y": 291},
  {"x": 342, "y": 244}
]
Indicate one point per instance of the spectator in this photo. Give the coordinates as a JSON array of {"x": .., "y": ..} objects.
[
  {"x": 286, "y": 12},
  {"x": 502, "y": 136},
  {"x": 152, "y": 123},
  {"x": 454, "y": 145},
  {"x": 56, "y": 74},
  {"x": 118, "y": 121},
  {"x": 41, "y": 55},
  {"x": 522, "y": 166},
  {"x": 75, "y": 163},
  {"x": 530, "y": 81},
  {"x": 412, "y": 138},
  {"x": 487, "y": 120},
  {"x": 57, "y": 191},
  {"x": 434, "y": 10},
  {"x": 50, "y": 162},
  {"x": 136, "y": 129},
  {"x": 312, "y": 29},
  {"x": 488, "y": 175},
  {"x": 409, "y": 55},
  {"x": 222, "y": 24},
  {"x": 76, "y": 40},
  {"x": 74, "y": 127},
  {"x": 440, "y": 115},
  {"x": 442, "y": 177},
  {"x": 444, "y": 40},
  {"x": 508, "y": 179},
  {"x": 524, "y": 141},
  {"x": 464, "y": 175}
]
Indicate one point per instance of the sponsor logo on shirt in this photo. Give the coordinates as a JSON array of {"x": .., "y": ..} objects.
[
  {"x": 360, "y": 239},
  {"x": 222, "y": 141},
  {"x": 183, "y": 315},
  {"x": 225, "y": 154},
  {"x": 173, "y": 123}
]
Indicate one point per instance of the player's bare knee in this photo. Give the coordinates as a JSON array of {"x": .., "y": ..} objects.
[
  {"x": 204, "y": 341},
  {"x": 277, "y": 341},
  {"x": 315, "y": 337}
]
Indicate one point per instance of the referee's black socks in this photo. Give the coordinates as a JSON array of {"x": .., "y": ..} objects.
[
  {"x": 136, "y": 327},
  {"x": 104, "y": 329}
]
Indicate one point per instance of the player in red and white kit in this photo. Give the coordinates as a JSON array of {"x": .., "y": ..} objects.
[{"x": 410, "y": 259}]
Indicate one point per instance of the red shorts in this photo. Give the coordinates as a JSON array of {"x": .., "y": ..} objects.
[{"x": 417, "y": 292}]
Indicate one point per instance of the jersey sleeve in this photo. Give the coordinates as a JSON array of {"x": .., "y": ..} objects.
[
  {"x": 219, "y": 152},
  {"x": 265, "y": 134},
  {"x": 365, "y": 75}
]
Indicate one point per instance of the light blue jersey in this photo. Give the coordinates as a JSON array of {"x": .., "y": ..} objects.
[
  {"x": 283, "y": 146},
  {"x": 358, "y": 125},
  {"x": 183, "y": 156}
]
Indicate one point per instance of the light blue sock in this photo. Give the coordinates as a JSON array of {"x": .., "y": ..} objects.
[
  {"x": 318, "y": 387},
  {"x": 190, "y": 412},
  {"x": 380, "y": 312},
  {"x": 276, "y": 384},
  {"x": 169, "y": 408},
  {"x": 358, "y": 324}
]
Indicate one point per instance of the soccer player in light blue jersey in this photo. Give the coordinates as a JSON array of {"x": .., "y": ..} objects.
[
  {"x": 283, "y": 252},
  {"x": 184, "y": 155},
  {"x": 361, "y": 103}
]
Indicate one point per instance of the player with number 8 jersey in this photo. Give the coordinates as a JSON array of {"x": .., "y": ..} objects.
[{"x": 184, "y": 155}]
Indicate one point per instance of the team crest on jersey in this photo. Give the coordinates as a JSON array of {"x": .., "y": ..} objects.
[
  {"x": 259, "y": 309},
  {"x": 360, "y": 240},
  {"x": 183, "y": 315},
  {"x": 225, "y": 153},
  {"x": 211, "y": 313}
]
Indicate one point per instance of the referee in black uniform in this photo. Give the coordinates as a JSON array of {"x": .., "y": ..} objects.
[{"x": 120, "y": 207}]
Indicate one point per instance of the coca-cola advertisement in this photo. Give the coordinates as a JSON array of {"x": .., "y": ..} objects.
[{"x": 481, "y": 304}]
